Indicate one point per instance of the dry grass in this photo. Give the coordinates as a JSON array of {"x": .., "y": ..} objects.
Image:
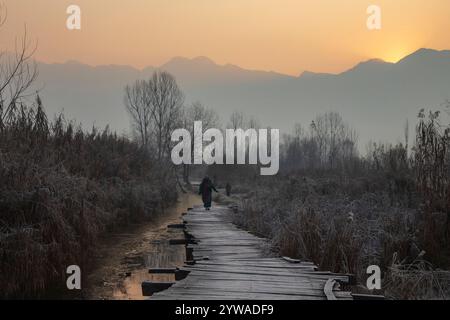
[
  {"x": 417, "y": 280},
  {"x": 344, "y": 233},
  {"x": 60, "y": 189},
  {"x": 390, "y": 209}
]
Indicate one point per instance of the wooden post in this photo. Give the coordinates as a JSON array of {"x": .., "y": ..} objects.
[
  {"x": 149, "y": 287},
  {"x": 189, "y": 253}
]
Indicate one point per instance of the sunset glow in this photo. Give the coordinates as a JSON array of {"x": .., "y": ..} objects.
[
  {"x": 395, "y": 56},
  {"x": 287, "y": 36}
]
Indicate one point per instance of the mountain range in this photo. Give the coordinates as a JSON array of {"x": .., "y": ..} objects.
[{"x": 375, "y": 97}]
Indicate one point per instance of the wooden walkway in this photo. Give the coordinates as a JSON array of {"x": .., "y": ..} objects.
[{"x": 229, "y": 263}]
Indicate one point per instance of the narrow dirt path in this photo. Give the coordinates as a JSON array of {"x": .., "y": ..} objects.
[{"x": 123, "y": 259}]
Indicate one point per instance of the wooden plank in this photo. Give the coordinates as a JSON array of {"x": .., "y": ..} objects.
[
  {"x": 264, "y": 278},
  {"x": 226, "y": 262},
  {"x": 328, "y": 289},
  {"x": 286, "y": 273},
  {"x": 359, "y": 296},
  {"x": 258, "y": 264},
  {"x": 285, "y": 287},
  {"x": 290, "y": 260},
  {"x": 201, "y": 294}
]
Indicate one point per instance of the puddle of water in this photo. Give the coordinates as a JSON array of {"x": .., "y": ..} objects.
[
  {"x": 157, "y": 252},
  {"x": 130, "y": 288}
]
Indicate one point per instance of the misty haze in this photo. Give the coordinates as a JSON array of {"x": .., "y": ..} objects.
[{"x": 371, "y": 94}]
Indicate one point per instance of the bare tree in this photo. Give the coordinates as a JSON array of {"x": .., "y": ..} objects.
[
  {"x": 406, "y": 136},
  {"x": 253, "y": 123},
  {"x": 155, "y": 107},
  {"x": 334, "y": 138},
  {"x": 209, "y": 119},
  {"x": 198, "y": 112},
  {"x": 331, "y": 143},
  {"x": 17, "y": 73},
  {"x": 138, "y": 106},
  {"x": 237, "y": 120},
  {"x": 166, "y": 103}
]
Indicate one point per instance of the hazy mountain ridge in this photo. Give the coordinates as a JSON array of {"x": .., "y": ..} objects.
[{"x": 375, "y": 96}]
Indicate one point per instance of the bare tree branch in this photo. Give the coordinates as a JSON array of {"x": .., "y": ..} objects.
[{"x": 18, "y": 71}]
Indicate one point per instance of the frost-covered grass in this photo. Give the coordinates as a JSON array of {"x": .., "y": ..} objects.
[
  {"x": 345, "y": 227},
  {"x": 344, "y": 211},
  {"x": 60, "y": 189}
]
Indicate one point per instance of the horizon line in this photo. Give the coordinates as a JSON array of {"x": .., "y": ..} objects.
[{"x": 76, "y": 61}]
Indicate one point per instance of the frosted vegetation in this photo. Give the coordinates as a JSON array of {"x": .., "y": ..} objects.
[{"x": 346, "y": 211}]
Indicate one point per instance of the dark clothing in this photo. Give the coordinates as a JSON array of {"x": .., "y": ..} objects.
[
  {"x": 228, "y": 189},
  {"x": 206, "y": 188}
]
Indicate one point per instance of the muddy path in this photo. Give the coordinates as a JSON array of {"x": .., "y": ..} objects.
[{"x": 122, "y": 261}]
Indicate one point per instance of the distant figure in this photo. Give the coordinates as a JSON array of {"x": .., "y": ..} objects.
[
  {"x": 228, "y": 189},
  {"x": 206, "y": 188}
]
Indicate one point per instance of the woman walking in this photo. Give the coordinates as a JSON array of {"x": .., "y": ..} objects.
[{"x": 206, "y": 188}]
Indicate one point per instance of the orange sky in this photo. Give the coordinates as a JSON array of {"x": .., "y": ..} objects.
[{"x": 287, "y": 36}]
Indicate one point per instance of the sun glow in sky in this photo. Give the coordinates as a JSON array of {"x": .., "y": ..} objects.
[{"x": 287, "y": 36}]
